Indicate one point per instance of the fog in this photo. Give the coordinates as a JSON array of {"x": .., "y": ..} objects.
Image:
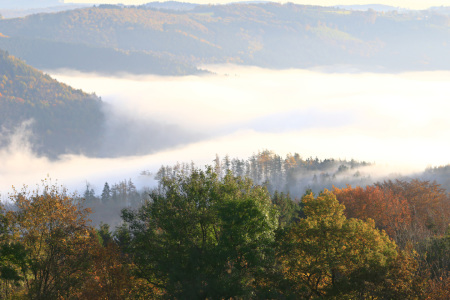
[{"x": 398, "y": 121}]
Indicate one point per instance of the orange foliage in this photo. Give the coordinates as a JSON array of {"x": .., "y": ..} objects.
[
  {"x": 429, "y": 204},
  {"x": 407, "y": 210},
  {"x": 109, "y": 277},
  {"x": 290, "y": 161},
  {"x": 439, "y": 288},
  {"x": 389, "y": 210}
]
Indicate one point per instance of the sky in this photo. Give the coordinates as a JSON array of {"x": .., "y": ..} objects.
[{"x": 411, "y": 4}]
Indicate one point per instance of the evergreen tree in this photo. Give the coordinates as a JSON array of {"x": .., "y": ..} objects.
[
  {"x": 106, "y": 193},
  {"x": 89, "y": 194}
]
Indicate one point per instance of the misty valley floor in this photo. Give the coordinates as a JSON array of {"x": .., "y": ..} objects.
[{"x": 389, "y": 119}]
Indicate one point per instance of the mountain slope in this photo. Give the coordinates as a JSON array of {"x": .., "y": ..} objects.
[
  {"x": 64, "y": 120},
  {"x": 45, "y": 54}
]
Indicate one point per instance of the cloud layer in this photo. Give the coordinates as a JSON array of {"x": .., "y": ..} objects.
[{"x": 395, "y": 119}]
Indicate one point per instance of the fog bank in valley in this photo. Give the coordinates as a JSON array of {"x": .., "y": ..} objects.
[{"x": 398, "y": 121}]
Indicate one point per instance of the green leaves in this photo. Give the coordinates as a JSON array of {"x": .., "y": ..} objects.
[{"x": 203, "y": 237}]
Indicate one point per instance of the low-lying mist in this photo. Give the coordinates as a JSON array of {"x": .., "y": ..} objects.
[{"x": 398, "y": 121}]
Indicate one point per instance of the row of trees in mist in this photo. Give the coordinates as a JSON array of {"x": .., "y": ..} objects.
[
  {"x": 205, "y": 234},
  {"x": 106, "y": 206},
  {"x": 292, "y": 174}
]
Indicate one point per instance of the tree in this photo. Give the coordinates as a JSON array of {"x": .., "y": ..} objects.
[
  {"x": 217, "y": 166},
  {"x": 328, "y": 255},
  {"x": 288, "y": 210},
  {"x": 133, "y": 196},
  {"x": 12, "y": 258},
  {"x": 89, "y": 194},
  {"x": 109, "y": 275},
  {"x": 437, "y": 261},
  {"x": 106, "y": 194},
  {"x": 203, "y": 237},
  {"x": 56, "y": 235},
  {"x": 389, "y": 210},
  {"x": 429, "y": 205},
  {"x": 226, "y": 163}
]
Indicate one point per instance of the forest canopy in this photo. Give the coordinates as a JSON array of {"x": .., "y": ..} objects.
[{"x": 207, "y": 236}]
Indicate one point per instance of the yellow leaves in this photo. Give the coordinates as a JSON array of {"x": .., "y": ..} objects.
[
  {"x": 55, "y": 233},
  {"x": 326, "y": 246}
]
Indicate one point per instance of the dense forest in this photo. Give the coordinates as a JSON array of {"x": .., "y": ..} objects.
[
  {"x": 206, "y": 235},
  {"x": 173, "y": 41},
  {"x": 54, "y": 110}
]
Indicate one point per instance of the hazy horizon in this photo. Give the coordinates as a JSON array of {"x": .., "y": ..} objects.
[{"x": 409, "y": 4}]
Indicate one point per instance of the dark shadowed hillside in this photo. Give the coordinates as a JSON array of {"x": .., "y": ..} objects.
[
  {"x": 56, "y": 119},
  {"x": 63, "y": 120}
]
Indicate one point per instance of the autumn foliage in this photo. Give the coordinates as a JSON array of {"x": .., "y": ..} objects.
[
  {"x": 410, "y": 209},
  {"x": 390, "y": 211},
  {"x": 206, "y": 237},
  {"x": 428, "y": 202},
  {"x": 329, "y": 255}
]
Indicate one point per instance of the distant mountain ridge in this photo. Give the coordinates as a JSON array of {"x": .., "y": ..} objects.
[
  {"x": 376, "y": 7},
  {"x": 45, "y": 54},
  {"x": 171, "y": 5},
  {"x": 271, "y": 35}
]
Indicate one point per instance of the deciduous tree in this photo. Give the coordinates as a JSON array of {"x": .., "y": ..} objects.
[
  {"x": 203, "y": 237},
  {"x": 56, "y": 235},
  {"x": 390, "y": 211},
  {"x": 328, "y": 255}
]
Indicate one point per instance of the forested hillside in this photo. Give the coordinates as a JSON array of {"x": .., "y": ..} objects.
[
  {"x": 44, "y": 54},
  {"x": 203, "y": 234},
  {"x": 266, "y": 34},
  {"x": 63, "y": 120}
]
